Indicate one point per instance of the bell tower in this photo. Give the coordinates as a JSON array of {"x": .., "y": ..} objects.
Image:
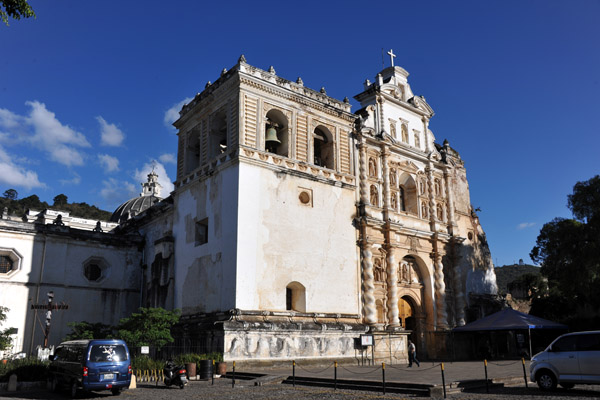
[{"x": 264, "y": 200}]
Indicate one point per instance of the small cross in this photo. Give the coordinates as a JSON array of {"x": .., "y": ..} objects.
[
  {"x": 392, "y": 56},
  {"x": 49, "y": 307}
]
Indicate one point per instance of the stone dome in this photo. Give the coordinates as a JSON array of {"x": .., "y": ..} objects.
[
  {"x": 133, "y": 207},
  {"x": 149, "y": 196}
]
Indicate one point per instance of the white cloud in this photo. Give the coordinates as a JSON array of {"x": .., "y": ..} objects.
[
  {"x": 16, "y": 176},
  {"x": 168, "y": 158},
  {"x": 110, "y": 163},
  {"x": 525, "y": 225},
  {"x": 116, "y": 192},
  {"x": 76, "y": 180},
  {"x": 141, "y": 176},
  {"x": 172, "y": 114},
  {"x": 111, "y": 135},
  {"x": 58, "y": 140}
]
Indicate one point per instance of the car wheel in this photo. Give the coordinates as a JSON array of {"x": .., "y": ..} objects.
[
  {"x": 546, "y": 380},
  {"x": 116, "y": 391},
  {"x": 567, "y": 385},
  {"x": 74, "y": 390},
  {"x": 181, "y": 386}
]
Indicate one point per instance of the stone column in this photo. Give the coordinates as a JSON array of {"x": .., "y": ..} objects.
[
  {"x": 426, "y": 134},
  {"x": 431, "y": 197},
  {"x": 392, "y": 286},
  {"x": 369, "y": 308},
  {"x": 440, "y": 292},
  {"x": 459, "y": 297},
  {"x": 450, "y": 202}
]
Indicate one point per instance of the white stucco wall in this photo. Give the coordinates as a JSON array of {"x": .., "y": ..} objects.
[
  {"x": 282, "y": 240},
  {"x": 55, "y": 263},
  {"x": 205, "y": 274}
]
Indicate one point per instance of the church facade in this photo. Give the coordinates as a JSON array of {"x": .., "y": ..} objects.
[{"x": 297, "y": 226}]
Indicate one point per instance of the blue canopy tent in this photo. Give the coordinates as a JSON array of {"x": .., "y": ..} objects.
[{"x": 509, "y": 319}]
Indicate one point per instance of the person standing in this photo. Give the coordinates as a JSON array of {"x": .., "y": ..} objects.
[{"x": 412, "y": 355}]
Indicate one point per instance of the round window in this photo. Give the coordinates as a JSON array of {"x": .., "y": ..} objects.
[
  {"x": 6, "y": 264},
  {"x": 93, "y": 272}
]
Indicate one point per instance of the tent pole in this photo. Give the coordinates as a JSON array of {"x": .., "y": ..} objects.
[{"x": 530, "y": 354}]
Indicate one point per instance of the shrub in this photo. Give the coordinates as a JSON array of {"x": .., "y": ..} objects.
[
  {"x": 27, "y": 370},
  {"x": 145, "y": 363}
]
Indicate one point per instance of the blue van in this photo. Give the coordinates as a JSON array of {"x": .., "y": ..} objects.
[{"x": 91, "y": 365}]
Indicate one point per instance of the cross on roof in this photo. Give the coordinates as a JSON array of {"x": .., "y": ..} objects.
[{"x": 392, "y": 56}]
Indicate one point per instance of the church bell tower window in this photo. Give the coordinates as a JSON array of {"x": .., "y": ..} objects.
[
  {"x": 323, "y": 148},
  {"x": 276, "y": 133}
]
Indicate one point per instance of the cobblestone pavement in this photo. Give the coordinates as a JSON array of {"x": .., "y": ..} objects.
[{"x": 245, "y": 391}]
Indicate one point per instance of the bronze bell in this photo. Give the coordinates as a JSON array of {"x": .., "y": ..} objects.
[{"x": 271, "y": 135}]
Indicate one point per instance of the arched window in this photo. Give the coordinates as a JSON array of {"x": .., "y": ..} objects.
[
  {"x": 408, "y": 194},
  {"x": 218, "y": 134},
  {"x": 374, "y": 198},
  {"x": 323, "y": 150},
  {"x": 276, "y": 133},
  {"x": 192, "y": 151},
  {"x": 295, "y": 297}
]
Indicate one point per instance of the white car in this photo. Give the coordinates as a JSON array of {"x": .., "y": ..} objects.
[{"x": 573, "y": 358}]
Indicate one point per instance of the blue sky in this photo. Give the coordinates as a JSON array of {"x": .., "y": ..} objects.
[{"x": 88, "y": 89}]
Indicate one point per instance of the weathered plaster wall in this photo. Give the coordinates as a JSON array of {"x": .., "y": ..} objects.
[
  {"x": 56, "y": 263},
  {"x": 205, "y": 274},
  {"x": 283, "y": 240}
]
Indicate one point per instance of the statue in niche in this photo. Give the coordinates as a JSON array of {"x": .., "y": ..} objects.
[
  {"x": 436, "y": 186},
  {"x": 378, "y": 270},
  {"x": 417, "y": 140},
  {"x": 424, "y": 212},
  {"x": 392, "y": 177},
  {"x": 393, "y": 129},
  {"x": 374, "y": 196},
  {"x": 372, "y": 168},
  {"x": 394, "y": 202},
  {"x": 440, "y": 212},
  {"x": 403, "y": 272},
  {"x": 422, "y": 186},
  {"x": 404, "y": 133}
]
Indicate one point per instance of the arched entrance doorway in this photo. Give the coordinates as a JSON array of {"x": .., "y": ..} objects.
[{"x": 407, "y": 316}]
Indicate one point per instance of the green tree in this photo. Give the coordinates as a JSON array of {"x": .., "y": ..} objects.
[
  {"x": 60, "y": 200},
  {"x": 148, "y": 327},
  {"x": 568, "y": 251},
  {"x": 87, "y": 330},
  {"x": 11, "y": 194},
  {"x": 15, "y": 9},
  {"x": 5, "y": 339}
]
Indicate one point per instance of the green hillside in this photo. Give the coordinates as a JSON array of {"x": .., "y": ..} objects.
[
  {"x": 508, "y": 273},
  {"x": 19, "y": 207}
]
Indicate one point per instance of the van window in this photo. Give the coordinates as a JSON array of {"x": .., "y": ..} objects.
[
  {"x": 588, "y": 342},
  {"x": 566, "y": 343},
  {"x": 108, "y": 352}
]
